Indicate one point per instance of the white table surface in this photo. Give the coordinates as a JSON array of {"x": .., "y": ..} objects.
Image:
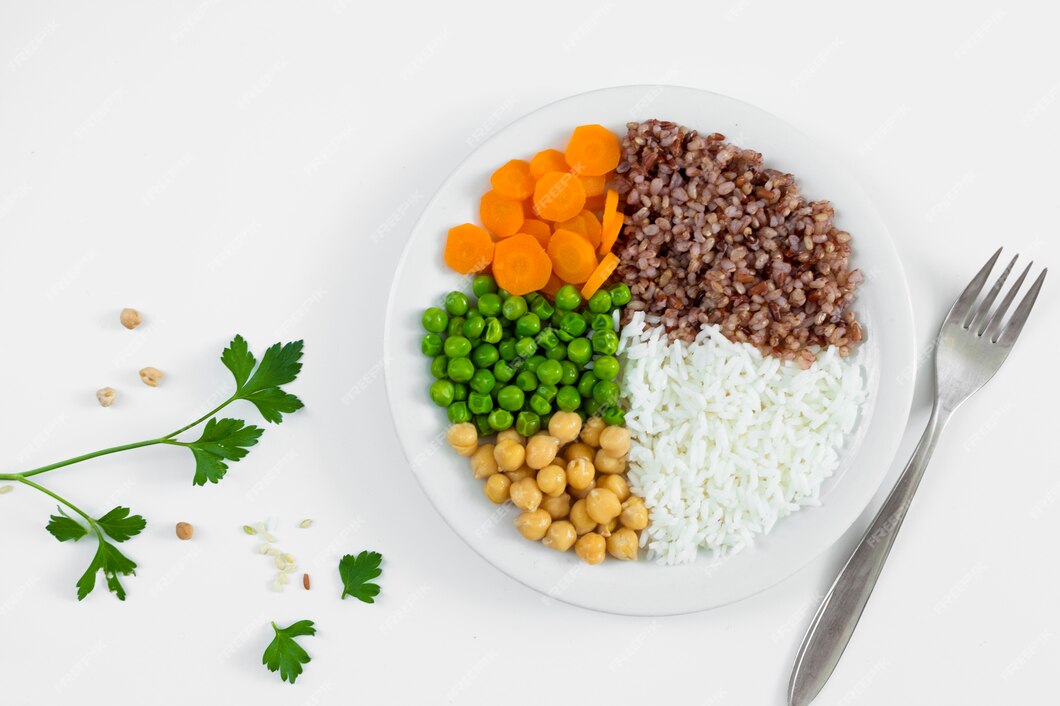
[{"x": 255, "y": 167}]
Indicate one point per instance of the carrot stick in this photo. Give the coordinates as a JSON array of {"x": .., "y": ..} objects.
[{"x": 600, "y": 275}]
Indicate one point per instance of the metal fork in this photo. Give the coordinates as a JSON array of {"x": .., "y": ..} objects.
[{"x": 971, "y": 346}]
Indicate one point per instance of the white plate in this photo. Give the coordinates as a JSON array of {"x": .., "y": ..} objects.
[{"x": 644, "y": 588}]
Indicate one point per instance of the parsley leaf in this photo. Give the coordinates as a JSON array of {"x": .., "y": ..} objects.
[
  {"x": 238, "y": 358},
  {"x": 286, "y": 655},
  {"x": 120, "y": 526},
  {"x": 112, "y": 563},
  {"x": 279, "y": 366},
  {"x": 65, "y": 528},
  {"x": 222, "y": 440},
  {"x": 357, "y": 571}
]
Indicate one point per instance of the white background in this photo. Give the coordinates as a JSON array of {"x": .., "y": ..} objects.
[{"x": 255, "y": 167}]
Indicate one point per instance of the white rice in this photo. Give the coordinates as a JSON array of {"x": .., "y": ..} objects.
[{"x": 726, "y": 441}]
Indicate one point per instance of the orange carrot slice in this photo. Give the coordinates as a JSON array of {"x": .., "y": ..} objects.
[
  {"x": 501, "y": 216},
  {"x": 468, "y": 248},
  {"x": 538, "y": 229},
  {"x": 610, "y": 233},
  {"x": 554, "y": 283},
  {"x": 513, "y": 180},
  {"x": 594, "y": 185},
  {"x": 520, "y": 264},
  {"x": 610, "y": 206},
  {"x": 600, "y": 274},
  {"x": 573, "y": 257},
  {"x": 558, "y": 196},
  {"x": 593, "y": 150},
  {"x": 547, "y": 161},
  {"x": 576, "y": 224},
  {"x": 593, "y": 229},
  {"x": 594, "y": 203}
]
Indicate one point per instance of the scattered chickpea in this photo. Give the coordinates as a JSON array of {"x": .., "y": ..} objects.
[
  {"x": 130, "y": 318},
  {"x": 106, "y": 396},
  {"x": 541, "y": 450},
  {"x": 533, "y": 524},
  {"x": 579, "y": 450},
  {"x": 520, "y": 473},
  {"x": 511, "y": 434},
  {"x": 579, "y": 493},
  {"x": 462, "y": 435},
  {"x": 151, "y": 376},
  {"x": 606, "y": 529},
  {"x": 560, "y": 536},
  {"x": 552, "y": 480},
  {"x": 580, "y": 473},
  {"x": 185, "y": 531},
  {"x": 466, "y": 451},
  {"x": 622, "y": 544},
  {"x": 617, "y": 484},
  {"x": 634, "y": 513},
  {"x": 615, "y": 441},
  {"x": 591, "y": 430},
  {"x": 497, "y": 487},
  {"x": 483, "y": 465},
  {"x": 558, "y": 507},
  {"x": 565, "y": 426},
  {"x": 590, "y": 548},
  {"x": 510, "y": 454},
  {"x": 525, "y": 494},
  {"x": 602, "y": 505},
  {"x": 579, "y": 517},
  {"x": 606, "y": 463}
]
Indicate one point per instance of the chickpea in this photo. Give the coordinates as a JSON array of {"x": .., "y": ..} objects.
[
  {"x": 578, "y": 450},
  {"x": 185, "y": 531},
  {"x": 130, "y": 318},
  {"x": 606, "y": 463},
  {"x": 590, "y": 548},
  {"x": 579, "y": 517},
  {"x": 578, "y": 494},
  {"x": 605, "y": 530},
  {"x": 512, "y": 434},
  {"x": 520, "y": 473},
  {"x": 483, "y": 465},
  {"x": 541, "y": 450},
  {"x": 558, "y": 507},
  {"x": 509, "y": 454},
  {"x": 525, "y": 494},
  {"x": 622, "y": 544},
  {"x": 552, "y": 480},
  {"x": 615, "y": 440},
  {"x": 602, "y": 505},
  {"x": 565, "y": 426},
  {"x": 580, "y": 473},
  {"x": 497, "y": 487},
  {"x": 533, "y": 524},
  {"x": 464, "y": 434},
  {"x": 560, "y": 536},
  {"x": 106, "y": 396},
  {"x": 466, "y": 451},
  {"x": 617, "y": 484},
  {"x": 151, "y": 376},
  {"x": 591, "y": 430},
  {"x": 634, "y": 513}
]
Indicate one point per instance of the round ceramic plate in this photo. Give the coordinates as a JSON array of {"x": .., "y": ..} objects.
[{"x": 643, "y": 587}]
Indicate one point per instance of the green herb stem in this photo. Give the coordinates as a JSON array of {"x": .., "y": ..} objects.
[
  {"x": 201, "y": 419},
  {"x": 84, "y": 457},
  {"x": 64, "y": 501}
]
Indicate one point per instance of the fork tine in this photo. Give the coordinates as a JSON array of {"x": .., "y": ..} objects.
[
  {"x": 964, "y": 302},
  {"x": 995, "y": 321},
  {"x": 979, "y": 319},
  {"x": 1019, "y": 316}
]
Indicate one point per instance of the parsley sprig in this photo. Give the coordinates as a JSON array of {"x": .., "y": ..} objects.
[
  {"x": 284, "y": 653},
  {"x": 222, "y": 441}
]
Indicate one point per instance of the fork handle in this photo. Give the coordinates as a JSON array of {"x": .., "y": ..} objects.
[{"x": 839, "y": 612}]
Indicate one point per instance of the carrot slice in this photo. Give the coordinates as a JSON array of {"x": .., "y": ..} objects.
[
  {"x": 600, "y": 275},
  {"x": 593, "y": 229},
  {"x": 538, "y": 229},
  {"x": 554, "y": 283},
  {"x": 593, "y": 150},
  {"x": 610, "y": 206},
  {"x": 610, "y": 234},
  {"x": 547, "y": 161},
  {"x": 513, "y": 180},
  {"x": 594, "y": 185},
  {"x": 520, "y": 264},
  {"x": 573, "y": 258},
  {"x": 576, "y": 224},
  {"x": 468, "y": 248},
  {"x": 594, "y": 203},
  {"x": 558, "y": 196},
  {"x": 501, "y": 216}
]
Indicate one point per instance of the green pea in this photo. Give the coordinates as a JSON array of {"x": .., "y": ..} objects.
[
  {"x": 442, "y": 393},
  {"x": 503, "y": 371},
  {"x": 503, "y": 294},
  {"x": 483, "y": 284},
  {"x": 482, "y": 423},
  {"x": 456, "y": 303},
  {"x": 482, "y": 381},
  {"x": 563, "y": 336},
  {"x": 614, "y": 416},
  {"x": 531, "y": 298},
  {"x": 550, "y": 372},
  {"x": 547, "y": 339},
  {"x": 547, "y": 391},
  {"x": 603, "y": 322},
  {"x": 510, "y": 398},
  {"x": 620, "y": 294},
  {"x": 459, "y": 392},
  {"x": 435, "y": 320},
  {"x": 489, "y": 304},
  {"x": 527, "y": 325},
  {"x": 506, "y": 349},
  {"x": 605, "y": 392},
  {"x": 542, "y": 308},
  {"x": 456, "y": 326},
  {"x": 460, "y": 369},
  {"x": 527, "y": 423},
  {"x": 600, "y": 303},
  {"x": 457, "y": 347},
  {"x": 557, "y": 352},
  {"x": 570, "y": 373},
  {"x": 500, "y": 419},
  {"x": 439, "y": 366},
  {"x": 484, "y": 355},
  {"x": 568, "y": 298},
  {"x": 573, "y": 324},
  {"x": 606, "y": 367},
  {"x": 514, "y": 307},
  {"x": 458, "y": 413},
  {"x": 526, "y": 381},
  {"x": 539, "y": 404},
  {"x": 580, "y": 351},
  {"x": 525, "y": 347},
  {"x": 533, "y": 361},
  {"x": 568, "y": 398},
  {"x": 474, "y": 326},
  {"x": 605, "y": 342},
  {"x": 586, "y": 384},
  {"x": 431, "y": 344},
  {"x": 479, "y": 402},
  {"x": 557, "y": 318},
  {"x": 493, "y": 333}
]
